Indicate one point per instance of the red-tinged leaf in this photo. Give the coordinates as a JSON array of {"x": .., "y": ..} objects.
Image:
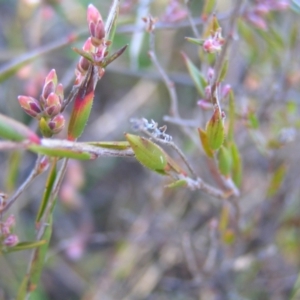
[
  {"x": 276, "y": 180},
  {"x": 11, "y": 129},
  {"x": 148, "y": 154},
  {"x": 224, "y": 161},
  {"x": 204, "y": 142},
  {"x": 197, "y": 77},
  {"x": 113, "y": 57},
  {"x": 82, "y": 107},
  {"x": 215, "y": 130}
]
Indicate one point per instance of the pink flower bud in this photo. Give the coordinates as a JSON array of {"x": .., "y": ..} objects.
[
  {"x": 225, "y": 90},
  {"x": 51, "y": 77},
  {"x": 207, "y": 92},
  {"x": 96, "y": 25},
  {"x": 30, "y": 105},
  {"x": 47, "y": 90},
  {"x": 52, "y": 105},
  {"x": 205, "y": 105},
  {"x": 4, "y": 230},
  {"x": 257, "y": 21},
  {"x": 60, "y": 92},
  {"x": 57, "y": 123},
  {"x": 11, "y": 240},
  {"x": 44, "y": 164},
  {"x": 214, "y": 43}
]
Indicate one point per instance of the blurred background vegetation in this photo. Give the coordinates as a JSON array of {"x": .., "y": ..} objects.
[{"x": 118, "y": 232}]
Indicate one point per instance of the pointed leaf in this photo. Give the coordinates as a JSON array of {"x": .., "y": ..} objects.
[
  {"x": 26, "y": 245},
  {"x": 197, "y": 77},
  {"x": 231, "y": 116},
  {"x": 224, "y": 161},
  {"x": 215, "y": 130},
  {"x": 62, "y": 152},
  {"x": 82, "y": 106},
  {"x": 276, "y": 181},
  {"x": 47, "y": 192},
  {"x": 111, "y": 145},
  {"x": 147, "y": 153},
  {"x": 223, "y": 72},
  {"x": 198, "y": 42},
  {"x": 177, "y": 183},
  {"x": 204, "y": 141},
  {"x": 236, "y": 171},
  {"x": 208, "y": 7},
  {"x": 11, "y": 129}
]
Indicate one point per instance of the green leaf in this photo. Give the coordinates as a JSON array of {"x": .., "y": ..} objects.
[
  {"x": 197, "y": 77},
  {"x": 26, "y": 245},
  {"x": 111, "y": 145},
  {"x": 61, "y": 152},
  {"x": 204, "y": 141},
  {"x": 177, "y": 183},
  {"x": 147, "y": 153},
  {"x": 13, "y": 130},
  {"x": 223, "y": 72},
  {"x": 215, "y": 130},
  {"x": 198, "y": 42},
  {"x": 236, "y": 169},
  {"x": 31, "y": 279},
  {"x": 208, "y": 8},
  {"x": 253, "y": 121},
  {"x": 231, "y": 116},
  {"x": 47, "y": 192},
  {"x": 224, "y": 161},
  {"x": 276, "y": 180}
]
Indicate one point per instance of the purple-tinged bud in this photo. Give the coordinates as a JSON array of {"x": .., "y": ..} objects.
[
  {"x": 60, "y": 92},
  {"x": 11, "y": 240},
  {"x": 96, "y": 25},
  {"x": 225, "y": 90},
  {"x": 57, "y": 123},
  {"x": 257, "y": 21},
  {"x": 262, "y": 9},
  {"x": 30, "y": 105},
  {"x": 52, "y": 105}
]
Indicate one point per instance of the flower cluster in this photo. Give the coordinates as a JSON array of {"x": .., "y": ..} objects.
[
  {"x": 257, "y": 15},
  {"x": 48, "y": 108},
  {"x": 95, "y": 47},
  {"x": 7, "y": 238},
  {"x": 214, "y": 43},
  {"x": 206, "y": 103}
]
